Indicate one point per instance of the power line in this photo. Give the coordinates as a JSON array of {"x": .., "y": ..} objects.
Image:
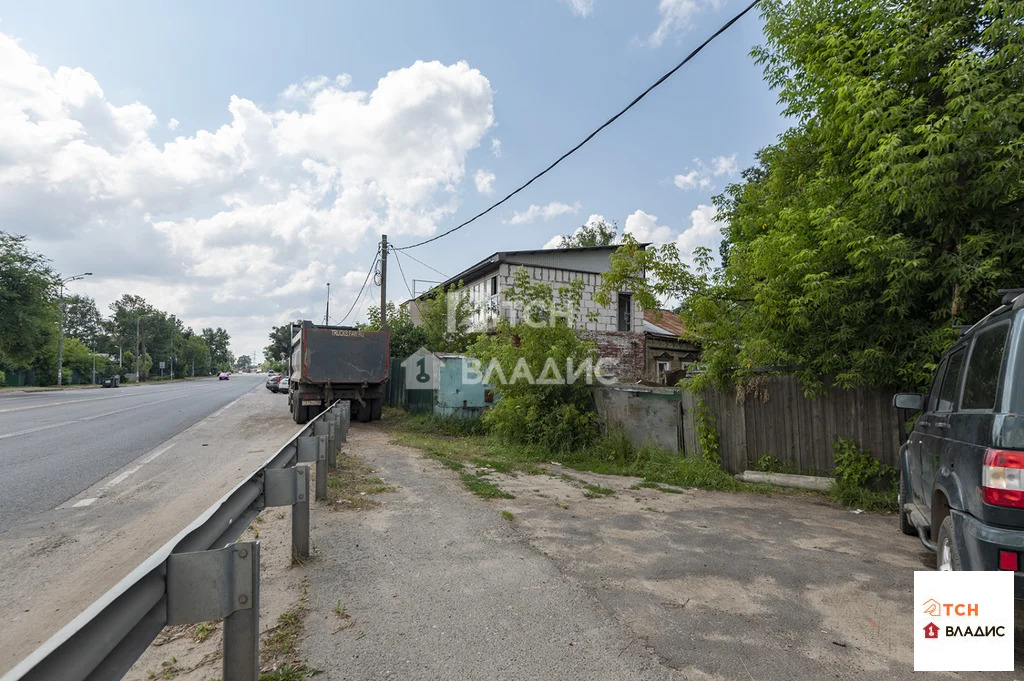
[
  {"x": 423, "y": 263},
  {"x": 589, "y": 137},
  {"x": 412, "y": 296},
  {"x": 361, "y": 288}
]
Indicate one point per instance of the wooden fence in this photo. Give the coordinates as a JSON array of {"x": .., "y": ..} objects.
[{"x": 800, "y": 432}]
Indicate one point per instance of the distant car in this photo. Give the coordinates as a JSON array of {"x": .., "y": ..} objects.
[
  {"x": 112, "y": 382},
  {"x": 223, "y": 376},
  {"x": 272, "y": 382},
  {"x": 282, "y": 385},
  {"x": 271, "y": 372}
]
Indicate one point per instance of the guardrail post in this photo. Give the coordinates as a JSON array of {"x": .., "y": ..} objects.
[
  {"x": 344, "y": 415},
  {"x": 321, "y": 468},
  {"x": 242, "y": 630},
  {"x": 300, "y": 516}
]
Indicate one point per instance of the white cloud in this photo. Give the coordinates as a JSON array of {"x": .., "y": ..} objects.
[
  {"x": 496, "y": 147},
  {"x": 722, "y": 165},
  {"x": 484, "y": 180},
  {"x": 581, "y": 8},
  {"x": 172, "y": 124},
  {"x": 546, "y": 212},
  {"x": 220, "y": 218},
  {"x": 692, "y": 180},
  {"x": 676, "y": 16},
  {"x": 700, "y": 176},
  {"x": 703, "y": 231},
  {"x": 645, "y": 228}
]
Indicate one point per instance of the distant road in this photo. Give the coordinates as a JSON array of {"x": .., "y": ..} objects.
[{"x": 55, "y": 444}]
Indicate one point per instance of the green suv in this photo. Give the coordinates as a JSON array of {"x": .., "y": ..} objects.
[{"x": 962, "y": 467}]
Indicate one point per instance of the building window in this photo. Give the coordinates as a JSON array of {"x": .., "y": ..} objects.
[
  {"x": 664, "y": 366},
  {"x": 493, "y": 285},
  {"x": 625, "y": 312}
]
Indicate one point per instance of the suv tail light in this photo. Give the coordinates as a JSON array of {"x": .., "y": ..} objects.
[{"x": 1002, "y": 478}]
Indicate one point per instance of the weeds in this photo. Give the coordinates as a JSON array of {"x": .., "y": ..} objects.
[
  {"x": 863, "y": 481},
  {"x": 203, "y": 631},
  {"x": 595, "y": 491},
  {"x": 483, "y": 488},
  {"x": 508, "y": 515},
  {"x": 351, "y": 484}
]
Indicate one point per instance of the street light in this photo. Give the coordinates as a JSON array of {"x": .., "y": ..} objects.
[{"x": 60, "y": 325}]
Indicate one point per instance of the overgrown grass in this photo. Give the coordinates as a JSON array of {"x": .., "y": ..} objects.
[
  {"x": 595, "y": 491},
  {"x": 457, "y": 444},
  {"x": 482, "y": 487},
  {"x": 352, "y": 484}
]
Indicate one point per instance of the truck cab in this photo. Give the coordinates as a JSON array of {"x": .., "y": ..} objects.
[{"x": 962, "y": 465}]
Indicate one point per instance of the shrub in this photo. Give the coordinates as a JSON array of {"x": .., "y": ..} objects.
[{"x": 862, "y": 480}]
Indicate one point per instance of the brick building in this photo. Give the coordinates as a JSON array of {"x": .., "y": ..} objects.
[{"x": 618, "y": 329}]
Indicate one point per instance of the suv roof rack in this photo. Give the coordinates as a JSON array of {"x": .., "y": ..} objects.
[
  {"x": 1012, "y": 299},
  {"x": 1009, "y": 295}
]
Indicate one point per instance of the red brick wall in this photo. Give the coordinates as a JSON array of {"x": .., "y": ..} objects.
[{"x": 623, "y": 352}]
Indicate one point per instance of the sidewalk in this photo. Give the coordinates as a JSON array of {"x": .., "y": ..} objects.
[{"x": 438, "y": 585}]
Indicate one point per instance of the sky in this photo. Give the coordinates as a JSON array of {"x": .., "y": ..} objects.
[{"x": 226, "y": 160}]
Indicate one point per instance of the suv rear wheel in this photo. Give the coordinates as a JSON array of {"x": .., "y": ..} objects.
[{"x": 947, "y": 556}]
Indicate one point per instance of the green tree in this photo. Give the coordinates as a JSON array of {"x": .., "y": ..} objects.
[
  {"x": 446, "y": 319},
  {"x": 220, "y": 356},
  {"x": 280, "y": 343},
  {"x": 195, "y": 353},
  {"x": 889, "y": 213},
  {"x": 27, "y": 285},
  {"x": 243, "y": 363},
  {"x": 595, "y": 233},
  {"x": 556, "y": 414},
  {"x": 82, "y": 319},
  {"x": 406, "y": 337}
]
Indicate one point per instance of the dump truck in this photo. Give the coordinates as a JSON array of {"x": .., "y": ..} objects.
[{"x": 331, "y": 363}]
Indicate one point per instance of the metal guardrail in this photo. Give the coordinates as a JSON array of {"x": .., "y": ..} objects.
[{"x": 201, "y": 574}]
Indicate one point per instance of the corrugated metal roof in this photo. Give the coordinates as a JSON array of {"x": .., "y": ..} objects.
[{"x": 663, "y": 321}]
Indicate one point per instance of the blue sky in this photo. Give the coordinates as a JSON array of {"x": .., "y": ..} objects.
[{"x": 190, "y": 228}]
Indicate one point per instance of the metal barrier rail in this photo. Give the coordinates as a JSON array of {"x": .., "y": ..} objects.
[{"x": 201, "y": 574}]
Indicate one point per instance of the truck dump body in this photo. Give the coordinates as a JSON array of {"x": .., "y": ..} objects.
[{"x": 326, "y": 354}]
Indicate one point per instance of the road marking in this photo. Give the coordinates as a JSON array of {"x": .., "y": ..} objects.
[
  {"x": 121, "y": 478},
  {"x": 152, "y": 457},
  {"x": 84, "y": 502}
]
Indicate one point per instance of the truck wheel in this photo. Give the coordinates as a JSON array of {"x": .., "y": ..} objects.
[
  {"x": 300, "y": 414},
  {"x": 947, "y": 556},
  {"x": 905, "y": 526},
  {"x": 376, "y": 408},
  {"x": 365, "y": 411}
]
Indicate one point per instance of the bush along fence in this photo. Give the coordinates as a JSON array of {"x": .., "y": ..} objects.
[{"x": 781, "y": 425}]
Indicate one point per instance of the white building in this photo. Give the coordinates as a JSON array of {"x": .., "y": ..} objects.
[{"x": 618, "y": 329}]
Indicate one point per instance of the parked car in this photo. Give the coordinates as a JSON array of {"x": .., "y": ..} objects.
[
  {"x": 112, "y": 382},
  {"x": 272, "y": 382},
  {"x": 962, "y": 467},
  {"x": 271, "y": 372},
  {"x": 282, "y": 385},
  {"x": 223, "y": 376}
]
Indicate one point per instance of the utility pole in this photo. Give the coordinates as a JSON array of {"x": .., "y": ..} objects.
[
  {"x": 383, "y": 282},
  {"x": 327, "y": 314}
]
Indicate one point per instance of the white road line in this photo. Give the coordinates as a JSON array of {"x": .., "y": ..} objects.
[
  {"x": 84, "y": 502},
  {"x": 152, "y": 457},
  {"x": 121, "y": 478}
]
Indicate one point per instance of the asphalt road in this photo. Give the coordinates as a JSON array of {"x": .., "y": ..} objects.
[
  {"x": 53, "y": 445},
  {"x": 97, "y": 480}
]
